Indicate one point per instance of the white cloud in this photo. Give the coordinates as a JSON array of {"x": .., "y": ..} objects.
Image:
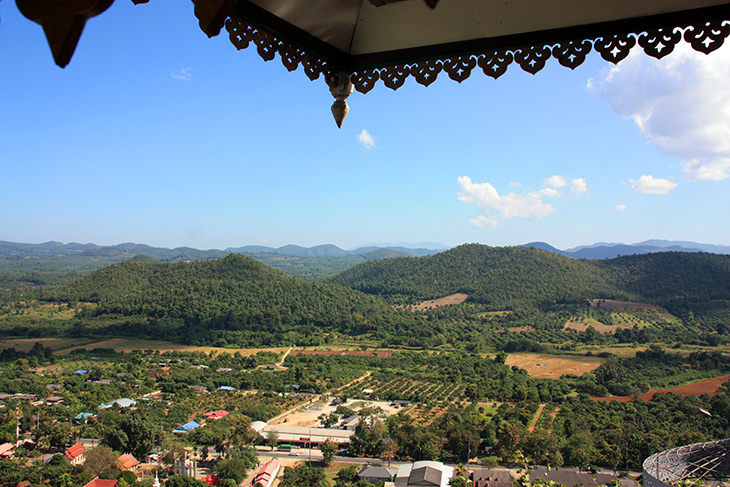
[
  {"x": 367, "y": 140},
  {"x": 527, "y": 206},
  {"x": 621, "y": 207},
  {"x": 680, "y": 103},
  {"x": 550, "y": 193},
  {"x": 182, "y": 74},
  {"x": 578, "y": 186},
  {"x": 651, "y": 185},
  {"x": 555, "y": 182},
  {"x": 482, "y": 221}
]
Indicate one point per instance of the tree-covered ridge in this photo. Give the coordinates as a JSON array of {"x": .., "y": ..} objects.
[
  {"x": 666, "y": 277},
  {"x": 507, "y": 278},
  {"x": 502, "y": 277},
  {"x": 233, "y": 294}
]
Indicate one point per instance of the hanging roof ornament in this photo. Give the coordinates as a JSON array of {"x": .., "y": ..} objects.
[
  {"x": 368, "y": 41},
  {"x": 62, "y": 22}
]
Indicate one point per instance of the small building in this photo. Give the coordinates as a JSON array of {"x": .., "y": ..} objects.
[
  {"x": 224, "y": 369},
  {"x": 484, "y": 477},
  {"x": 187, "y": 427},
  {"x": 97, "y": 482},
  {"x": 54, "y": 400},
  {"x": 122, "y": 403},
  {"x": 350, "y": 423},
  {"x": 83, "y": 417},
  {"x": 216, "y": 414},
  {"x": 424, "y": 473},
  {"x": 376, "y": 473},
  {"x": 76, "y": 455},
  {"x": 571, "y": 477},
  {"x": 267, "y": 474},
  {"x": 7, "y": 450},
  {"x": 199, "y": 389},
  {"x": 54, "y": 387},
  {"x": 228, "y": 389},
  {"x": 127, "y": 462}
]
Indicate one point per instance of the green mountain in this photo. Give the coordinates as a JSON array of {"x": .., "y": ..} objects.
[
  {"x": 509, "y": 278},
  {"x": 235, "y": 298}
]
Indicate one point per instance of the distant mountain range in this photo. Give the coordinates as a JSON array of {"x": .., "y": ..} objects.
[
  {"x": 312, "y": 263},
  {"x": 603, "y": 250}
]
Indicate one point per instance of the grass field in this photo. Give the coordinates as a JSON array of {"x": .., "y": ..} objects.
[{"x": 553, "y": 366}]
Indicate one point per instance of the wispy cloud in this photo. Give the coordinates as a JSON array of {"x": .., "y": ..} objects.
[
  {"x": 620, "y": 207},
  {"x": 366, "y": 139},
  {"x": 482, "y": 222},
  {"x": 681, "y": 104},
  {"x": 651, "y": 185},
  {"x": 182, "y": 74}
]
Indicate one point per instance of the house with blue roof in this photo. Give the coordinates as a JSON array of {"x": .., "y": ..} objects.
[{"x": 187, "y": 427}]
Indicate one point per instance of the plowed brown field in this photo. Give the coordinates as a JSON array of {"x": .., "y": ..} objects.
[{"x": 709, "y": 386}]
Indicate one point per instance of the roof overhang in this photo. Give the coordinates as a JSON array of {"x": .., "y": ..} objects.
[{"x": 353, "y": 44}]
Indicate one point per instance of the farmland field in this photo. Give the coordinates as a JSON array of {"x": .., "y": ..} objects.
[{"x": 553, "y": 366}]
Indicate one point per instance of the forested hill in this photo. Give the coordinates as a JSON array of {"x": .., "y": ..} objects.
[
  {"x": 236, "y": 295},
  {"x": 514, "y": 277},
  {"x": 678, "y": 281}
]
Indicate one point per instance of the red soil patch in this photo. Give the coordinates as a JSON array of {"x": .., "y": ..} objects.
[
  {"x": 357, "y": 353},
  {"x": 613, "y": 305},
  {"x": 709, "y": 386}
]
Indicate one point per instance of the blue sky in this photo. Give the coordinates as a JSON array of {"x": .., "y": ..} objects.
[{"x": 156, "y": 134}]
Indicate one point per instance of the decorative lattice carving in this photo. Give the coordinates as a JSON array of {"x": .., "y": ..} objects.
[
  {"x": 532, "y": 59},
  {"x": 708, "y": 37},
  {"x": 495, "y": 64},
  {"x": 572, "y": 54},
  {"x": 660, "y": 42},
  {"x": 426, "y": 72},
  {"x": 460, "y": 68},
  {"x": 703, "y": 37},
  {"x": 616, "y": 48}
]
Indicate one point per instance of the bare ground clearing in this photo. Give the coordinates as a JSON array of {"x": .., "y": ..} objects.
[
  {"x": 450, "y": 300},
  {"x": 553, "y": 366}
]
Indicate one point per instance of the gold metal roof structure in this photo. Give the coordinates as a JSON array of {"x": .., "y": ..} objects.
[{"x": 353, "y": 44}]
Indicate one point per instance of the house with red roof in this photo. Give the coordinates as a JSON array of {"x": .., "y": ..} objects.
[
  {"x": 7, "y": 450},
  {"x": 267, "y": 474},
  {"x": 216, "y": 414},
  {"x": 97, "y": 482},
  {"x": 127, "y": 462},
  {"x": 76, "y": 455}
]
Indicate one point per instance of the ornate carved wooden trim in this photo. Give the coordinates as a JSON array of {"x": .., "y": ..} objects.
[
  {"x": 212, "y": 14},
  {"x": 704, "y": 37}
]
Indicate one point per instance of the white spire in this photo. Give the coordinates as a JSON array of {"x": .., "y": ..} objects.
[{"x": 157, "y": 481}]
